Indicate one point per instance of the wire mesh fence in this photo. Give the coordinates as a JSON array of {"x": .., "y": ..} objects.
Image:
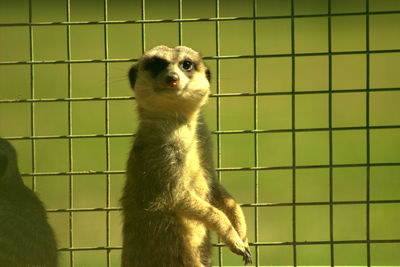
[{"x": 304, "y": 112}]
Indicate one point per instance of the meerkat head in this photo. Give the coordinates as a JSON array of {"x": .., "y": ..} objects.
[{"x": 170, "y": 80}]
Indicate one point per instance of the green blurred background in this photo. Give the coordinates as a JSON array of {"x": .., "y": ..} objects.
[{"x": 274, "y": 75}]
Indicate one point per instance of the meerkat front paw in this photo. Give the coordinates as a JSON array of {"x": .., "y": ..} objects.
[
  {"x": 244, "y": 250},
  {"x": 247, "y": 256},
  {"x": 240, "y": 248}
]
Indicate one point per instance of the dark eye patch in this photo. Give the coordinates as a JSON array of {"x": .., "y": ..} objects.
[{"x": 156, "y": 65}]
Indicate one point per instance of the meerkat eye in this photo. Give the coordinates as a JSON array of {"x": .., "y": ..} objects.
[{"x": 187, "y": 65}]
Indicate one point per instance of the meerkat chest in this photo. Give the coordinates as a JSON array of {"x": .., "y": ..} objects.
[
  {"x": 196, "y": 180},
  {"x": 194, "y": 176}
]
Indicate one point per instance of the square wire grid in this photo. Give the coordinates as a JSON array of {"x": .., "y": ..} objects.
[{"x": 254, "y": 132}]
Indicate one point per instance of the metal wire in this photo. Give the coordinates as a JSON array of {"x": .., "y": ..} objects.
[
  {"x": 218, "y": 106},
  {"x": 107, "y": 130},
  {"x": 70, "y": 155},
  {"x": 254, "y": 132},
  {"x": 356, "y": 52},
  {"x": 148, "y": 21},
  {"x": 332, "y": 251},
  {"x": 255, "y": 126},
  {"x": 292, "y": 24},
  {"x": 367, "y": 123}
]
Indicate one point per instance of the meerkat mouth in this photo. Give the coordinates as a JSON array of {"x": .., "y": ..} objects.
[
  {"x": 174, "y": 83},
  {"x": 171, "y": 88}
]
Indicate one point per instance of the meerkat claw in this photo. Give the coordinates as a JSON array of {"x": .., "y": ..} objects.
[{"x": 247, "y": 256}]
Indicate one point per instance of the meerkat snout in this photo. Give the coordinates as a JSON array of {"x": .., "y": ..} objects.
[{"x": 172, "y": 79}]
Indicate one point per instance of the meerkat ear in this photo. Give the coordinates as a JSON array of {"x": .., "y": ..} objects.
[
  {"x": 132, "y": 75},
  {"x": 208, "y": 75}
]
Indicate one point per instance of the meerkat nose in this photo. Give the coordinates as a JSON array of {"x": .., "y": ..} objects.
[{"x": 172, "y": 79}]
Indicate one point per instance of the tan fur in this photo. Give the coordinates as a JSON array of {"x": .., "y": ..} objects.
[{"x": 171, "y": 197}]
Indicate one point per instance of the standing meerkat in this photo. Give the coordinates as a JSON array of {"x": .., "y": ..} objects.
[{"x": 171, "y": 197}]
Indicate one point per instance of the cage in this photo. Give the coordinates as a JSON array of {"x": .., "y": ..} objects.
[{"x": 304, "y": 113}]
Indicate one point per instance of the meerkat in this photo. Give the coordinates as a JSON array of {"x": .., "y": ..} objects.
[
  {"x": 172, "y": 197},
  {"x": 26, "y": 238}
]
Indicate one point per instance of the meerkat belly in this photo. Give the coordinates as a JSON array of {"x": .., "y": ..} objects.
[{"x": 195, "y": 236}]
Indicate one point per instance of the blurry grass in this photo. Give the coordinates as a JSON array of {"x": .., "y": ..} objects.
[{"x": 237, "y": 113}]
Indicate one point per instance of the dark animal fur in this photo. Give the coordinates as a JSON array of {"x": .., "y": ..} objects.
[{"x": 26, "y": 238}]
